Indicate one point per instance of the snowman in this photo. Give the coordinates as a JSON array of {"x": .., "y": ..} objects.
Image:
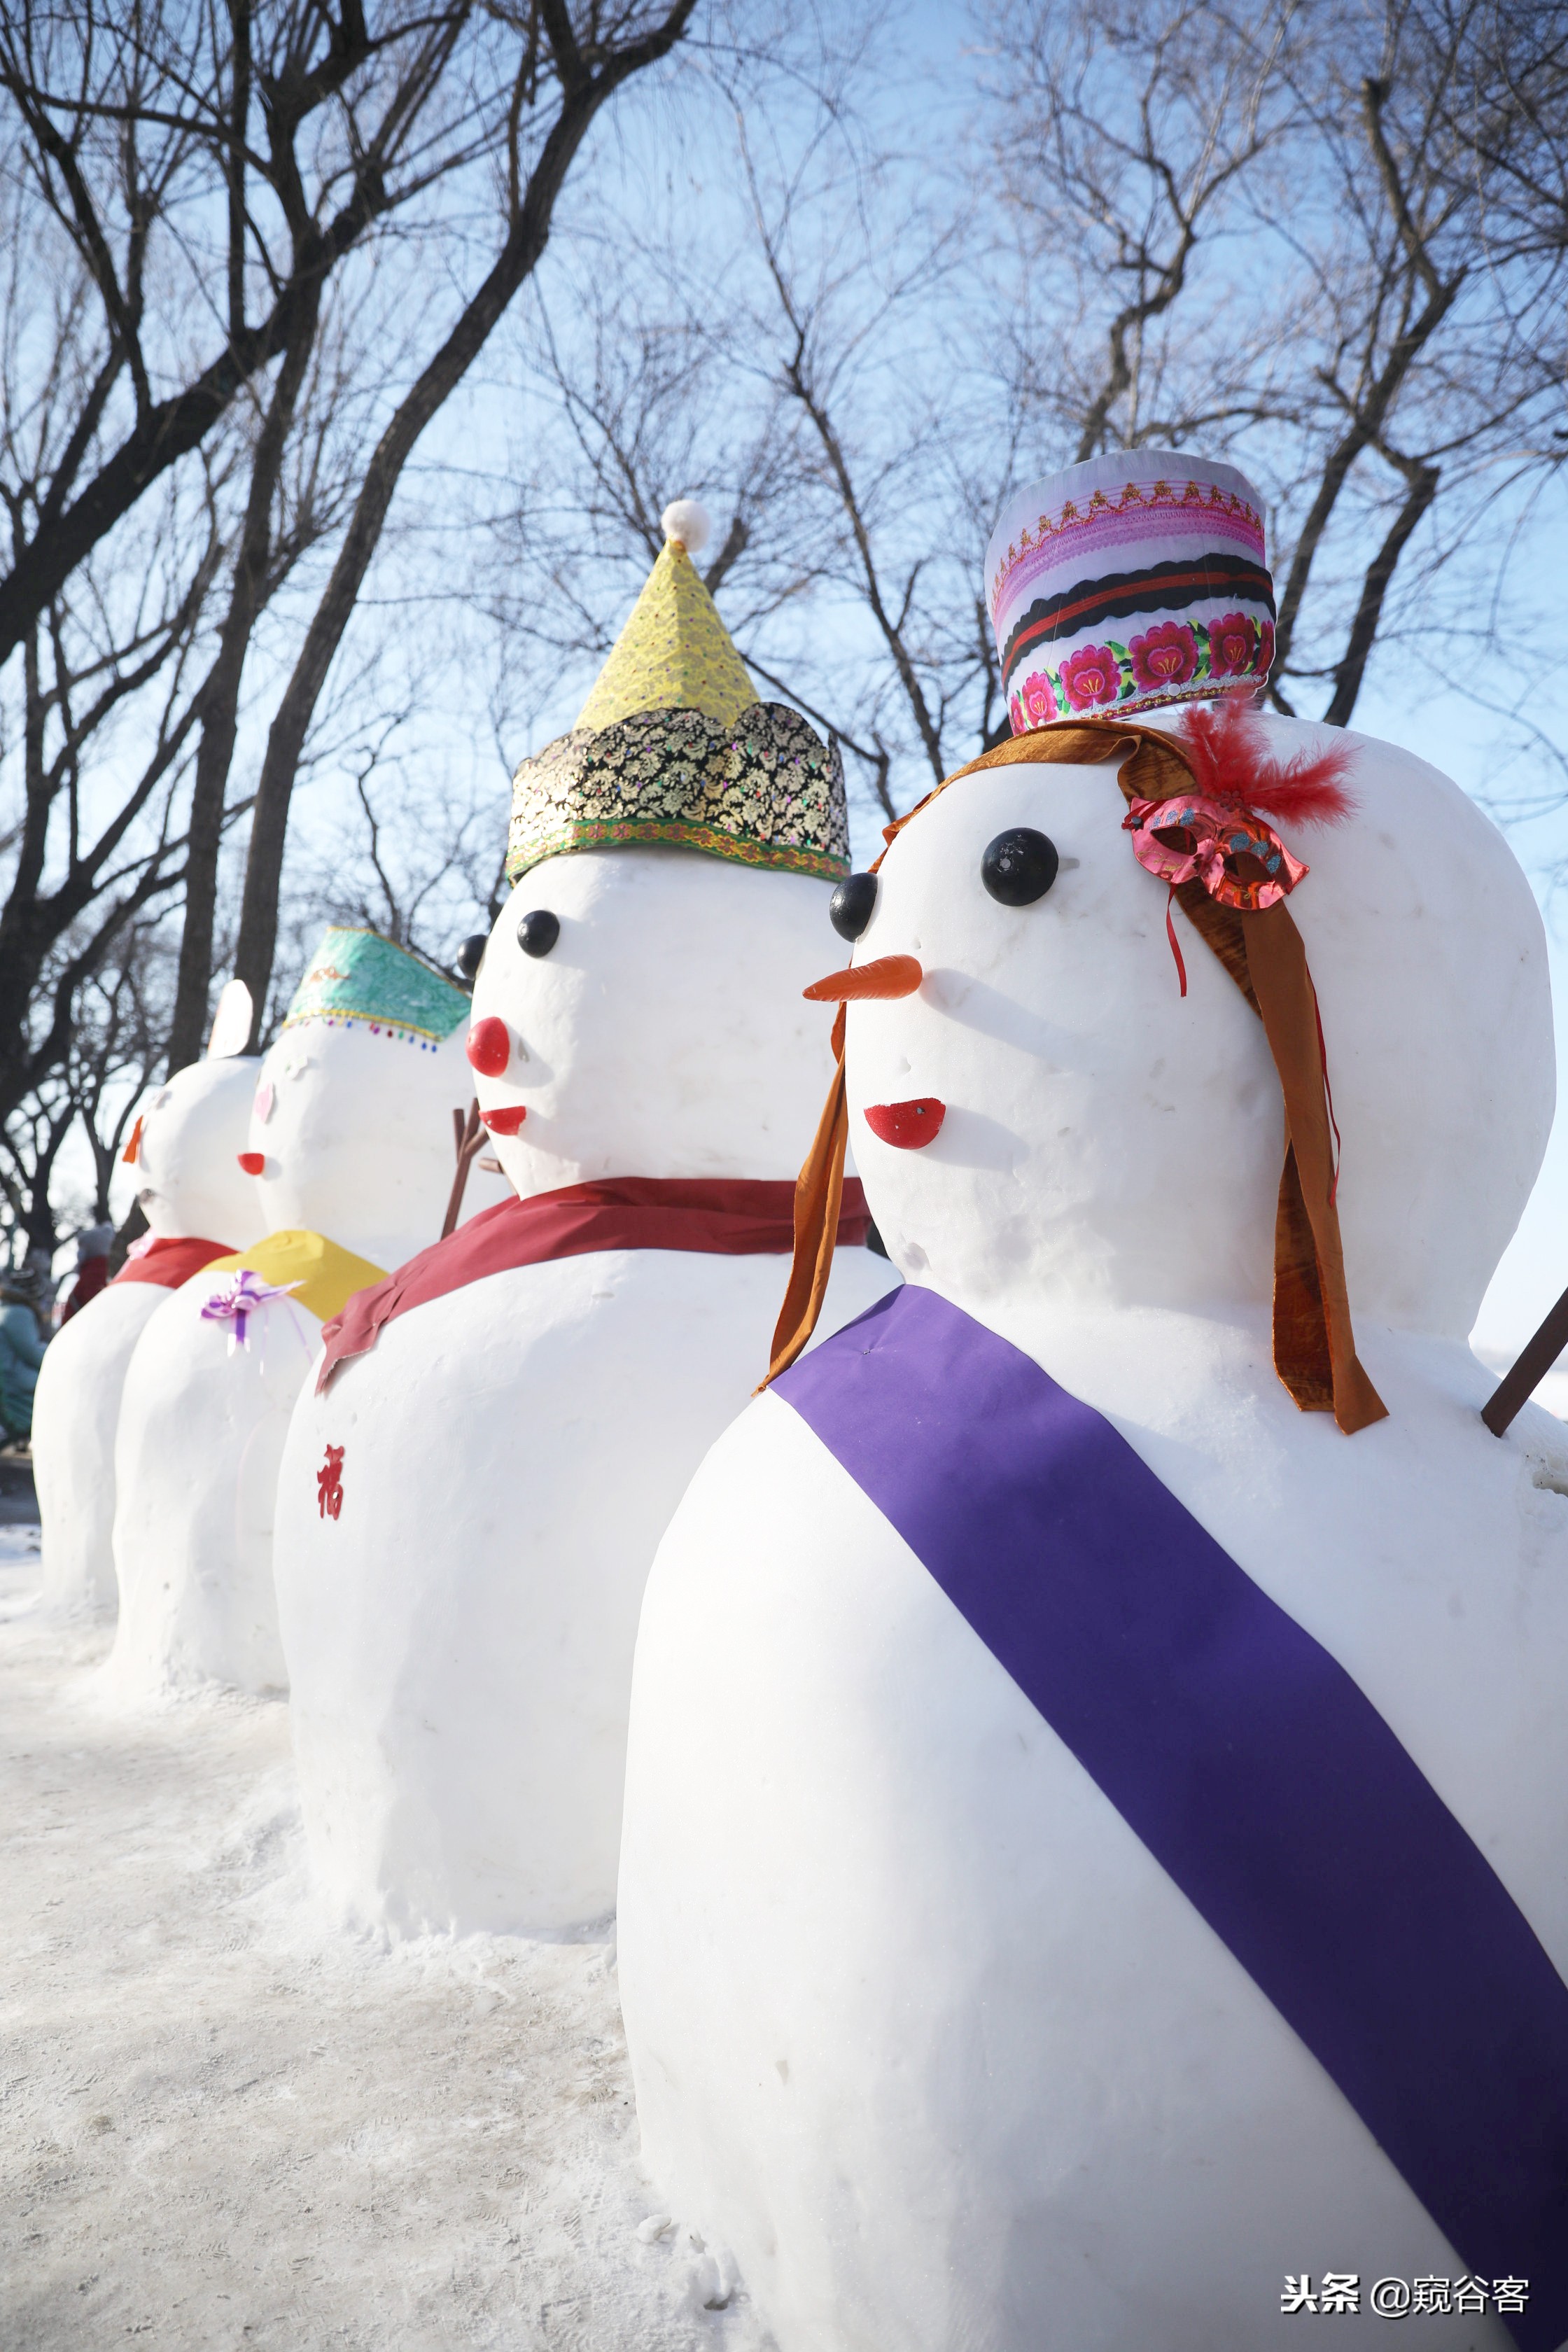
[
  {"x": 1096, "y": 1816},
  {"x": 199, "y": 1204},
  {"x": 351, "y": 1152},
  {"x": 473, "y": 1489}
]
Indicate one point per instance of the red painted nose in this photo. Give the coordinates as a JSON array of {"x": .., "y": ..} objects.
[
  {"x": 506, "y": 1120},
  {"x": 907, "y": 1125},
  {"x": 253, "y": 1162},
  {"x": 489, "y": 1046}
]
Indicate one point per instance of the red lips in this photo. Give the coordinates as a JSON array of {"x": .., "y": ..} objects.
[
  {"x": 489, "y": 1046},
  {"x": 506, "y": 1119},
  {"x": 908, "y": 1126},
  {"x": 253, "y": 1162}
]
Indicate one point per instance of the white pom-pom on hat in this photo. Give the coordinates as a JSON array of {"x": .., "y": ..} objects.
[{"x": 686, "y": 521}]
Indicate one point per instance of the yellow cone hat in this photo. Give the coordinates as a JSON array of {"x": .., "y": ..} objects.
[
  {"x": 674, "y": 654},
  {"x": 673, "y": 746}
]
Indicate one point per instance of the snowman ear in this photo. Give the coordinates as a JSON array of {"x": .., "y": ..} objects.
[{"x": 231, "y": 1022}]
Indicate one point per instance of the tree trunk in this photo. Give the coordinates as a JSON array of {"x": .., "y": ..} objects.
[
  {"x": 582, "y": 95},
  {"x": 220, "y": 697}
]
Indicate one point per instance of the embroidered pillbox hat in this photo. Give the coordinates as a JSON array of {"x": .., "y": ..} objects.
[
  {"x": 1126, "y": 582},
  {"x": 357, "y": 977},
  {"x": 674, "y": 746}
]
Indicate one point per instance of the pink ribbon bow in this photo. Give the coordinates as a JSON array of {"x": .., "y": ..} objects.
[{"x": 237, "y": 1298}]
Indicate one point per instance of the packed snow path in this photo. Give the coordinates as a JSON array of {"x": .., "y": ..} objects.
[{"x": 223, "y": 2125}]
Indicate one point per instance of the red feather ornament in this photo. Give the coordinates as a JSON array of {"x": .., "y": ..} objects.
[{"x": 1228, "y": 753}]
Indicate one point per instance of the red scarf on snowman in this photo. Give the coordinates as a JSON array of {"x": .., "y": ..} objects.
[{"x": 719, "y": 1216}]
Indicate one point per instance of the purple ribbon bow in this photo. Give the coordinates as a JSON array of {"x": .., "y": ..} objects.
[{"x": 238, "y": 1298}]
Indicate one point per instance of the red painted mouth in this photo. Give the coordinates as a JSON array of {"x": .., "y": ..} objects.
[
  {"x": 253, "y": 1162},
  {"x": 506, "y": 1119},
  {"x": 907, "y": 1125}
]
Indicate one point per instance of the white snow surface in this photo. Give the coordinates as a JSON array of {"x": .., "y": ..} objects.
[{"x": 225, "y": 2124}]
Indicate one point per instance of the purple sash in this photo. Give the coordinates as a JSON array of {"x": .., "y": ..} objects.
[{"x": 1252, "y": 1767}]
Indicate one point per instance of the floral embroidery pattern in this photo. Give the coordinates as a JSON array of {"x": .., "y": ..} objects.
[
  {"x": 1168, "y": 662},
  {"x": 1164, "y": 656},
  {"x": 1092, "y": 676},
  {"x": 1232, "y": 645},
  {"x": 761, "y": 790}
]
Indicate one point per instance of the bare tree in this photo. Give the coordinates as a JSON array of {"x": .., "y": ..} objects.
[
  {"x": 117, "y": 1047},
  {"x": 302, "y": 469},
  {"x": 1325, "y": 240},
  {"x": 106, "y": 679},
  {"x": 587, "y": 59},
  {"x": 291, "y": 129}
]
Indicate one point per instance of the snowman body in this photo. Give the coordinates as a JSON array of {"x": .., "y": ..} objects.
[
  {"x": 920, "y": 2027},
  {"x": 191, "y": 1183},
  {"x": 467, "y": 1514},
  {"x": 353, "y": 1127}
]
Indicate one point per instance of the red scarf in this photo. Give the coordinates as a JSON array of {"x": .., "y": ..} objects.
[
  {"x": 173, "y": 1259},
  {"x": 724, "y": 1216},
  {"x": 86, "y": 1287}
]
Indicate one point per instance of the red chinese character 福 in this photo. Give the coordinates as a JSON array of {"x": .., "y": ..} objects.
[{"x": 329, "y": 1484}]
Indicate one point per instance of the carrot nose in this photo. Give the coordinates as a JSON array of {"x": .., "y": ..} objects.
[{"x": 887, "y": 976}]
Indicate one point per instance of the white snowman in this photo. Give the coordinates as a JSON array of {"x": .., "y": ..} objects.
[
  {"x": 1093, "y": 1870},
  {"x": 468, "y": 1510},
  {"x": 350, "y": 1153},
  {"x": 199, "y": 1205}
]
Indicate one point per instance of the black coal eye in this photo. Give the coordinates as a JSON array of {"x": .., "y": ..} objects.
[
  {"x": 471, "y": 954},
  {"x": 849, "y": 908},
  {"x": 537, "y": 933},
  {"x": 1019, "y": 867}
]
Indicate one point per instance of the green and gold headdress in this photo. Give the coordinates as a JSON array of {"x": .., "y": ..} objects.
[
  {"x": 673, "y": 746},
  {"x": 358, "y": 979}
]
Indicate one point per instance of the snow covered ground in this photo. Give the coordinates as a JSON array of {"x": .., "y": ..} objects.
[{"x": 225, "y": 2124}]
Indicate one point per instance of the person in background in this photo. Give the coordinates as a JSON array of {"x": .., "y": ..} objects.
[
  {"x": 21, "y": 1353},
  {"x": 92, "y": 1247}
]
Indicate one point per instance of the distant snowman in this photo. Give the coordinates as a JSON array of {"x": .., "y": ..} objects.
[
  {"x": 351, "y": 1151},
  {"x": 185, "y": 1147},
  {"x": 1094, "y": 1860},
  {"x": 469, "y": 1502}
]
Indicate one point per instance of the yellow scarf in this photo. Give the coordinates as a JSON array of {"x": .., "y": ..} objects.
[{"x": 328, "y": 1276}]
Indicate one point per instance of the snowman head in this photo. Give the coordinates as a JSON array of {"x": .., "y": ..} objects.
[
  {"x": 185, "y": 1153},
  {"x": 1034, "y": 1099},
  {"x": 1099, "y": 1137},
  {"x": 638, "y": 1009},
  {"x": 638, "y": 1013},
  {"x": 350, "y": 1125}
]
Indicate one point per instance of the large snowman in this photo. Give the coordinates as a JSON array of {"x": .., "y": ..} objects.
[
  {"x": 469, "y": 1507},
  {"x": 199, "y": 1204},
  {"x": 1094, "y": 1852},
  {"x": 351, "y": 1152}
]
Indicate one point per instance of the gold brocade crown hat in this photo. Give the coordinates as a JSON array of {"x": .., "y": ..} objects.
[{"x": 673, "y": 746}]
